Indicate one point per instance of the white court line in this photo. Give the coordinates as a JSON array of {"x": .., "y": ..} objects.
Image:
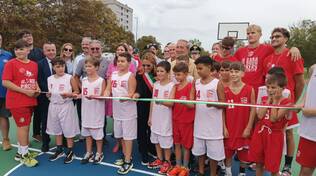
[
  {"x": 77, "y": 158},
  {"x": 19, "y": 165}
]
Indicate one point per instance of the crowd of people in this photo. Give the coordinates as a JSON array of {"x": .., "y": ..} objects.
[{"x": 38, "y": 84}]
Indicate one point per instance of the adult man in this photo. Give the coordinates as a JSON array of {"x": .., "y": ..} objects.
[
  {"x": 253, "y": 55},
  {"x": 166, "y": 54},
  {"x": 294, "y": 72},
  {"x": 182, "y": 48},
  {"x": 95, "y": 50},
  {"x": 36, "y": 54},
  {"x": 85, "y": 51},
  {"x": 154, "y": 49},
  {"x": 4, "y": 113},
  {"x": 172, "y": 52},
  {"x": 44, "y": 71}
]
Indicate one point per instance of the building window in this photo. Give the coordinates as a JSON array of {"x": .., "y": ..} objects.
[
  {"x": 126, "y": 16},
  {"x": 127, "y": 10},
  {"x": 121, "y": 19},
  {"x": 126, "y": 21},
  {"x": 121, "y": 8},
  {"x": 122, "y": 13}
]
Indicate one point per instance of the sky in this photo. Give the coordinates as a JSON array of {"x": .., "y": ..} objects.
[{"x": 170, "y": 20}]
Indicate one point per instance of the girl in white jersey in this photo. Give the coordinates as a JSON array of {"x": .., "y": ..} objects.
[
  {"x": 61, "y": 118},
  {"x": 92, "y": 110},
  {"x": 306, "y": 155},
  {"x": 208, "y": 123},
  {"x": 160, "y": 118},
  {"x": 122, "y": 83}
]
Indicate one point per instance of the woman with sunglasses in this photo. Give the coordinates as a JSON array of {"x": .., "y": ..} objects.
[
  {"x": 67, "y": 54},
  {"x": 145, "y": 80},
  {"x": 121, "y": 48}
]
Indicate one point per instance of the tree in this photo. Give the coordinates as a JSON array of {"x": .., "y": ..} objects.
[
  {"x": 303, "y": 36},
  {"x": 142, "y": 42},
  {"x": 195, "y": 42},
  {"x": 62, "y": 21}
]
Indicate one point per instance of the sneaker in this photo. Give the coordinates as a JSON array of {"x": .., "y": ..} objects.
[
  {"x": 69, "y": 157},
  {"x": 17, "y": 156},
  {"x": 98, "y": 158},
  {"x": 88, "y": 158},
  {"x": 155, "y": 164},
  {"x": 28, "y": 160},
  {"x": 144, "y": 162},
  {"x": 184, "y": 172},
  {"x": 6, "y": 145},
  {"x": 174, "y": 171},
  {"x": 45, "y": 148},
  {"x": 119, "y": 162},
  {"x": 286, "y": 171},
  {"x": 56, "y": 155},
  {"x": 242, "y": 174},
  {"x": 125, "y": 168},
  {"x": 37, "y": 138},
  {"x": 166, "y": 166}
]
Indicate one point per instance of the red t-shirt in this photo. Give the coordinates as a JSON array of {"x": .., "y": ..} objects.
[
  {"x": 237, "y": 117},
  {"x": 278, "y": 125},
  {"x": 181, "y": 113},
  {"x": 290, "y": 67},
  {"x": 220, "y": 59},
  {"x": 253, "y": 59},
  {"x": 23, "y": 75}
]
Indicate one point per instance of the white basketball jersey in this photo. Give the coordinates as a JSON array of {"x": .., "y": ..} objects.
[
  {"x": 307, "y": 128},
  {"x": 208, "y": 123},
  {"x": 92, "y": 111},
  {"x": 58, "y": 85},
  {"x": 125, "y": 110},
  {"x": 161, "y": 115}
]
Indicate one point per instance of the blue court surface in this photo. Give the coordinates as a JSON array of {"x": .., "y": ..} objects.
[{"x": 106, "y": 168}]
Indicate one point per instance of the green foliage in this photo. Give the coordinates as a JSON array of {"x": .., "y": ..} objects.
[
  {"x": 61, "y": 21},
  {"x": 145, "y": 40},
  {"x": 303, "y": 36}
]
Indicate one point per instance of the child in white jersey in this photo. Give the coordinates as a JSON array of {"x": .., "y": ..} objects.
[
  {"x": 208, "y": 124},
  {"x": 306, "y": 155},
  {"x": 92, "y": 110},
  {"x": 122, "y": 83},
  {"x": 61, "y": 118},
  {"x": 160, "y": 118}
]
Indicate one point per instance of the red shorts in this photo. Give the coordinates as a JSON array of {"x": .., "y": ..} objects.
[
  {"x": 22, "y": 116},
  {"x": 266, "y": 148},
  {"x": 293, "y": 122},
  {"x": 183, "y": 134},
  {"x": 306, "y": 155}
]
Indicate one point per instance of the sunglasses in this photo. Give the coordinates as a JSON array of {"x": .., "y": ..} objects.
[
  {"x": 96, "y": 49},
  {"x": 275, "y": 36},
  {"x": 226, "y": 47},
  {"x": 146, "y": 65},
  {"x": 67, "y": 49}
]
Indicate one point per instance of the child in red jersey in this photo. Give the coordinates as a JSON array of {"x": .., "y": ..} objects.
[
  {"x": 182, "y": 120},
  {"x": 268, "y": 138},
  {"x": 20, "y": 78},
  {"x": 238, "y": 120}
]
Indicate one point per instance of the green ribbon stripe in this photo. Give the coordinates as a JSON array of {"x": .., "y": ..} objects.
[{"x": 200, "y": 102}]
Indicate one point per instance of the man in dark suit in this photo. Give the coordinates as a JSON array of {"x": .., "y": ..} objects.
[{"x": 44, "y": 71}]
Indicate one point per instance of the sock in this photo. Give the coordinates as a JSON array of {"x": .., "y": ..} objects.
[
  {"x": 24, "y": 150},
  {"x": 242, "y": 170},
  {"x": 19, "y": 148},
  {"x": 186, "y": 163},
  {"x": 178, "y": 162},
  {"x": 59, "y": 148},
  {"x": 228, "y": 171},
  {"x": 288, "y": 161}
]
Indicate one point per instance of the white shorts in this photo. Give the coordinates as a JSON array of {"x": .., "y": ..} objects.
[
  {"x": 165, "y": 142},
  {"x": 95, "y": 133},
  {"x": 61, "y": 119},
  {"x": 126, "y": 129},
  {"x": 214, "y": 149}
]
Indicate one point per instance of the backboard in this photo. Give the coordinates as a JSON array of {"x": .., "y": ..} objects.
[{"x": 237, "y": 30}]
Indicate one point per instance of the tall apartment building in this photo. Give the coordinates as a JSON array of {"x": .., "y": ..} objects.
[{"x": 124, "y": 14}]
